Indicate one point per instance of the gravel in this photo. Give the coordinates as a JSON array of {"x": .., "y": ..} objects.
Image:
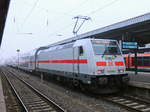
[{"x": 69, "y": 99}]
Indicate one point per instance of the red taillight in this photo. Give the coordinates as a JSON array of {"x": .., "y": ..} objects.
[
  {"x": 119, "y": 63},
  {"x": 100, "y": 63}
]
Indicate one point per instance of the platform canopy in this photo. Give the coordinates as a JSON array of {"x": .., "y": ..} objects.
[
  {"x": 134, "y": 29},
  {"x": 4, "y": 5}
]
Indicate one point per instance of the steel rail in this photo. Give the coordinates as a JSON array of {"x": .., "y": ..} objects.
[
  {"x": 15, "y": 92},
  {"x": 129, "y": 103},
  {"x": 54, "y": 105}
]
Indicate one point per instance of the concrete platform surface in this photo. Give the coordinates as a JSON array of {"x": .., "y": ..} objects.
[
  {"x": 139, "y": 84},
  {"x": 140, "y": 77},
  {"x": 2, "y": 100}
]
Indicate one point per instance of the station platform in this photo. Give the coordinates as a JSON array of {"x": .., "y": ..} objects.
[
  {"x": 142, "y": 79},
  {"x": 2, "y": 100}
]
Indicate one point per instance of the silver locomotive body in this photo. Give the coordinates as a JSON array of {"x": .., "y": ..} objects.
[{"x": 96, "y": 63}]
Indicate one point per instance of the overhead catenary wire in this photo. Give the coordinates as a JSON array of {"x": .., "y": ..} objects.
[
  {"x": 91, "y": 13},
  {"x": 41, "y": 8},
  {"x": 30, "y": 12},
  {"x": 14, "y": 17},
  {"x": 78, "y": 7},
  {"x": 35, "y": 5},
  {"x": 81, "y": 4},
  {"x": 60, "y": 29},
  {"x": 101, "y": 8},
  {"x": 85, "y": 1},
  {"x": 49, "y": 10},
  {"x": 73, "y": 10}
]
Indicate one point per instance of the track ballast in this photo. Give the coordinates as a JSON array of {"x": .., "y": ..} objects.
[{"x": 30, "y": 98}]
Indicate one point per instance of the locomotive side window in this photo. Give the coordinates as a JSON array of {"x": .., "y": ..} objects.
[{"x": 81, "y": 51}]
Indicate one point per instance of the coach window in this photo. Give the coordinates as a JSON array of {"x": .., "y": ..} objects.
[
  {"x": 146, "y": 61},
  {"x": 140, "y": 61},
  {"x": 133, "y": 61},
  {"x": 81, "y": 51}
]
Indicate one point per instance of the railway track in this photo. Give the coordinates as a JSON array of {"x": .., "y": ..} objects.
[
  {"x": 31, "y": 99},
  {"x": 130, "y": 103},
  {"x": 12, "y": 103}
]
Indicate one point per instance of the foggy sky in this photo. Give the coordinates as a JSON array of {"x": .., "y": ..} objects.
[{"x": 34, "y": 23}]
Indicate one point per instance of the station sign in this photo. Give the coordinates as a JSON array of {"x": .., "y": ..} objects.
[{"x": 129, "y": 45}]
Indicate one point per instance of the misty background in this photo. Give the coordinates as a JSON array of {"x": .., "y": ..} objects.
[{"x": 34, "y": 23}]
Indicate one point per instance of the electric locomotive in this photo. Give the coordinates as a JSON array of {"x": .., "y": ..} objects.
[{"x": 96, "y": 64}]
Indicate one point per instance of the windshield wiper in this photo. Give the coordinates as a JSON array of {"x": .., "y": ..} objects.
[{"x": 104, "y": 52}]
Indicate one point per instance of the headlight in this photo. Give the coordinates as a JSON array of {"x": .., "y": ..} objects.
[
  {"x": 100, "y": 71},
  {"x": 121, "y": 70}
]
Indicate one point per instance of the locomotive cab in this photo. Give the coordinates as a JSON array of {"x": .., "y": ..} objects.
[
  {"x": 109, "y": 67},
  {"x": 104, "y": 66},
  {"x": 108, "y": 58}
]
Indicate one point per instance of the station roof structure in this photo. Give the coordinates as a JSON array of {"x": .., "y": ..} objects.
[
  {"x": 4, "y": 5},
  {"x": 134, "y": 29}
]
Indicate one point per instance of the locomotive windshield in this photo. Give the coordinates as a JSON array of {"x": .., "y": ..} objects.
[{"x": 102, "y": 47}]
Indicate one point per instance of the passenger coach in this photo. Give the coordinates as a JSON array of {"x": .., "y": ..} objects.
[{"x": 143, "y": 61}]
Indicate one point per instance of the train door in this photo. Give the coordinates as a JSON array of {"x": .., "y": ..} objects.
[
  {"x": 77, "y": 53},
  {"x": 76, "y": 58}
]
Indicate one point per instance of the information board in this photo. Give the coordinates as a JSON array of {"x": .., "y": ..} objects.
[{"x": 129, "y": 45}]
